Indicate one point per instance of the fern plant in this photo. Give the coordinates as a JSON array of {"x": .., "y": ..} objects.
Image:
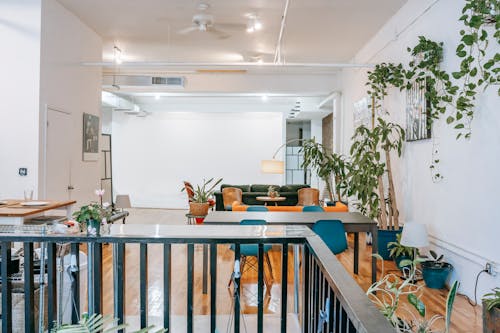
[{"x": 97, "y": 323}]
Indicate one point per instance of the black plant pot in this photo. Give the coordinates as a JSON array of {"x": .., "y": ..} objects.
[
  {"x": 435, "y": 276},
  {"x": 384, "y": 238}
]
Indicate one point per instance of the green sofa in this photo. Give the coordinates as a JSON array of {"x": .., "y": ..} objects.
[{"x": 251, "y": 192}]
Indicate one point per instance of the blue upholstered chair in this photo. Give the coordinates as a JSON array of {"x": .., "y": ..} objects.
[
  {"x": 248, "y": 251},
  {"x": 257, "y": 209},
  {"x": 313, "y": 209},
  {"x": 332, "y": 232}
]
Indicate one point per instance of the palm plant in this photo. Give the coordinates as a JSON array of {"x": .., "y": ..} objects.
[
  {"x": 326, "y": 164},
  {"x": 201, "y": 193}
]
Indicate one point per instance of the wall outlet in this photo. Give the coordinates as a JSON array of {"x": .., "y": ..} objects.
[
  {"x": 491, "y": 268},
  {"x": 23, "y": 171}
]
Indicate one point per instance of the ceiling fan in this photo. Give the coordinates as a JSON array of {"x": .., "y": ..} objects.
[{"x": 205, "y": 22}]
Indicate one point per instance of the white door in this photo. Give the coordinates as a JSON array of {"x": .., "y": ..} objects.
[{"x": 58, "y": 155}]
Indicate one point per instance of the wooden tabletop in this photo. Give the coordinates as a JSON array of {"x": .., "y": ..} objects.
[
  {"x": 14, "y": 208},
  {"x": 223, "y": 217},
  {"x": 270, "y": 198}
]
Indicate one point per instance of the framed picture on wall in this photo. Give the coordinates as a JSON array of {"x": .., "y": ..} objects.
[
  {"x": 90, "y": 137},
  {"x": 417, "y": 114},
  {"x": 362, "y": 114}
]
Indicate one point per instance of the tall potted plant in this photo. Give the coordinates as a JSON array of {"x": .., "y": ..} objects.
[
  {"x": 199, "y": 205},
  {"x": 327, "y": 165},
  {"x": 370, "y": 162}
]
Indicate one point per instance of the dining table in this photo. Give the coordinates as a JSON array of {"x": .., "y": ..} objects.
[
  {"x": 16, "y": 212},
  {"x": 353, "y": 222}
]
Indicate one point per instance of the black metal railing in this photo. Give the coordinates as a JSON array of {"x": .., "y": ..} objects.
[{"x": 330, "y": 300}]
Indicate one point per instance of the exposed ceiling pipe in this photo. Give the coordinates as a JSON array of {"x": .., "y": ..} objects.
[
  {"x": 227, "y": 64},
  {"x": 277, "y": 54}
]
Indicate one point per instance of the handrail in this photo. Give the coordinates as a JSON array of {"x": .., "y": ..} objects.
[{"x": 359, "y": 308}]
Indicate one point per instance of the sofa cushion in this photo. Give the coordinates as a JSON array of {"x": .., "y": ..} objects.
[
  {"x": 292, "y": 188},
  {"x": 243, "y": 188},
  {"x": 262, "y": 187}
]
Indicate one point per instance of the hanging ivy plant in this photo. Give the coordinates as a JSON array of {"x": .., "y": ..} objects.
[
  {"x": 382, "y": 76},
  {"x": 477, "y": 70}
]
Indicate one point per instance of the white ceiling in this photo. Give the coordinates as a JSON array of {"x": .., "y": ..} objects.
[{"x": 317, "y": 31}]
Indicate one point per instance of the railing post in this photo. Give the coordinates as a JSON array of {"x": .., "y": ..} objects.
[
  {"x": 213, "y": 287},
  {"x": 29, "y": 304},
  {"x": 167, "y": 278},
  {"x": 51, "y": 285},
  {"x": 6, "y": 289},
  {"x": 284, "y": 285},
  {"x": 94, "y": 262},
  {"x": 143, "y": 277},
  {"x": 75, "y": 288},
  {"x": 190, "y": 278},
  {"x": 237, "y": 287},
  {"x": 305, "y": 288},
  {"x": 119, "y": 281},
  {"x": 260, "y": 290}
]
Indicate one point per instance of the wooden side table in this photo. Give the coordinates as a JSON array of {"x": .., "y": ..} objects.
[{"x": 271, "y": 200}]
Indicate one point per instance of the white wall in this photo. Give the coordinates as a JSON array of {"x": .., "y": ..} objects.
[
  {"x": 19, "y": 91},
  {"x": 461, "y": 212},
  {"x": 153, "y": 155},
  {"x": 68, "y": 86}
]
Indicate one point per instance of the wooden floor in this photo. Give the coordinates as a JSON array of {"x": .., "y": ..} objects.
[{"x": 466, "y": 318}]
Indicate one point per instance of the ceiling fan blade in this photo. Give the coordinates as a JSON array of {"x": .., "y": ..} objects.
[
  {"x": 218, "y": 33},
  {"x": 187, "y": 30}
]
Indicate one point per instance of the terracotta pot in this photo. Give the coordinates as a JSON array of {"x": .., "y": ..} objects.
[
  {"x": 199, "y": 209},
  {"x": 491, "y": 320}
]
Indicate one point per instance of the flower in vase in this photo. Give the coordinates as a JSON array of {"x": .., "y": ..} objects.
[{"x": 99, "y": 192}]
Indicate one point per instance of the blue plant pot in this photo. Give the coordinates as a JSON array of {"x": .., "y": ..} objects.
[
  {"x": 435, "y": 277},
  {"x": 93, "y": 228},
  {"x": 384, "y": 238}
]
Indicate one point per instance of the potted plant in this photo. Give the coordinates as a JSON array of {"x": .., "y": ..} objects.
[
  {"x": 435, "y": 271},
  {"x": 400, "y": 252},
  {"x": 271, "y": 192},
  {"x": 93, "y": 215},
  {"x": 199, "y": 204},
  {"x": 387, "y": 294},
  {"x": 327, "y": 165},
  {"x": 491, "y": 311}
]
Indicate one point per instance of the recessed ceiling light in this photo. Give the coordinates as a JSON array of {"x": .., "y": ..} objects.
[
  {"x": 265, "y": 97},
  {"x": 157, "y": 96},
  {"x": 257, "y": 25}
]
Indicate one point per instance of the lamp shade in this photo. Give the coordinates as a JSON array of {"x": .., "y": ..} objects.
[
  {"x": 272, "y": 166},
  {"x": 122, "y": 201},
  {"x": 414, "y": 235}
]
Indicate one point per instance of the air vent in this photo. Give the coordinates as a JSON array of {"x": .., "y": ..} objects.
[
  {"x": 169, "y": 81},
  {"x": 123, "y": 81}
]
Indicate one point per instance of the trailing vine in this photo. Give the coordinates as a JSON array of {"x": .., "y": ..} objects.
[{"x": 478, "y": 70}]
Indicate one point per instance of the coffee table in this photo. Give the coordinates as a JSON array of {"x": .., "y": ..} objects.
[{"x": 270, "y": 199}]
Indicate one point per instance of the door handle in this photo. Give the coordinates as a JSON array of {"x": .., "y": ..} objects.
[{"x": 70, "y": 187}]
